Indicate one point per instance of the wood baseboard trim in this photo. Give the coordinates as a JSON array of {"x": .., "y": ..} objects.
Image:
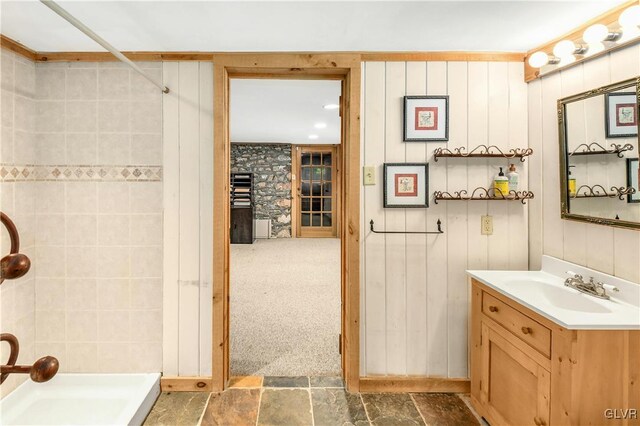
[
  {"x": 413, "y": 384},
  {"x": 186, "y": 384}
]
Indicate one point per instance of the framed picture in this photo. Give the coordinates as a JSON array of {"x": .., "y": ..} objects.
[
  {"x": 621, "y": 114},
  {"x": 426, "y": 118},
  {"x": 633, "y": 179},
  {"x": 406, "y": 185}
]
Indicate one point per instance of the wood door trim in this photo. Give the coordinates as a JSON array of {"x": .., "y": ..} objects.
[
  {"x": 336, "y": 190},
  {"x": 348, "y": 66}
]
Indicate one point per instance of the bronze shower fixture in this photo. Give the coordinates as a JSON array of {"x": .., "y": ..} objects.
[
  {"x": 41, "y": 371},
  {"x": 15, "y": 264}
]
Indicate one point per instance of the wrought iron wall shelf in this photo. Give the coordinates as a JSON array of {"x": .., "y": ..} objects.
[
  {"x": 595, "y": 148},
  {"x": 598, "y": 191},
  {"x": 438, "y": 223},
  {"x": 483, "y": 194},
  {"x": 482, "y": 151}
]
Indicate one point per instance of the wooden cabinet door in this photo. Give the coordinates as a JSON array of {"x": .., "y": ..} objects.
[{"x": 514, "y": 389}]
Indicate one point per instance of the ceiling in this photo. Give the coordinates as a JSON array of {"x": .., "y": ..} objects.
[
  {"x": 516, "y": 25},
  {"x": 284, "y": 111}
]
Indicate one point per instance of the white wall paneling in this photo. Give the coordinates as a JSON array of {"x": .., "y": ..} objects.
[
  {"x": 613, "y": 251},
  {"x": 188, "y": 174},
  {"x": 415, "y": 287}
]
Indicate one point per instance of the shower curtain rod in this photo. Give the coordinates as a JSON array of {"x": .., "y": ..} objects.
[{"x": 95, "y": 37}]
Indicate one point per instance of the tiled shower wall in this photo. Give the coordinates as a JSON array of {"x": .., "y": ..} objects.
[
  {"x": 17, "y": 297},
  {"x": 95, "y": 178},
  {"x": 99, "y": 229}
]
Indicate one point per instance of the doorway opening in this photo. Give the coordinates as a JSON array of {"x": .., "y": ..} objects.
[
  {"x": 285, "y": 293},
  {"x": 345, "y": 68}
]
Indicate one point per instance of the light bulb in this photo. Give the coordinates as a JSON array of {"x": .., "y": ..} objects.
[
  {"x": 538, "y": 59},
  {"x": 564, "y": 48},
  {"x": 595, "y": 48},
  {"x": 595, "y": 34},
  {"x": 630, "y": 17}
]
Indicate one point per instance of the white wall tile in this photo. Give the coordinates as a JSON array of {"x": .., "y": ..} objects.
[
  {"x": 50, "y": 116},
  {"x": 113, "y": 230},
  {"x": 146, "y": 197},
  {"x": 81, "y": 293},
  {"x": 82, "y": 326},
  {"x": 81, "y": 197},
  {"x": 114, "y": 148},
  {"x": 81, "y": 229},
  {"x": 113, "y": 84},
  {"x": 81, "y": 116},
  {"x": 113, "y": 294},
  {"x": 146, "y": 229},
  {"x": 82, "y": 84},
  {"x": 114, "y": 116},
  {"x": 81, "y": 262},
  {"x": 146, "y": 293},
  {"x": 113, "y": 262},
  {"x": 113, "y": 197},
  {"x": 82, "y": 358},
  {"x": 50, "y": 148},
  {"x": 146, "y": 149},
  {"x": 146, "y": 262},
  {"x": 81, "y": 148},
  {"x": 50, "y": 83},
  {"x": 113, "y": 326}
]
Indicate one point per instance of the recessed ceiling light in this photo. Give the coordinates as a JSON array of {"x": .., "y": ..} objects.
[
  {"x": 331, "y": 106},
  {"x": 313, "y": 136},
  {"x": 320, "y": 125}
]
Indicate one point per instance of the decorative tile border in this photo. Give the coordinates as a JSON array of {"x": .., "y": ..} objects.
[{"x": 79, "y": 173}]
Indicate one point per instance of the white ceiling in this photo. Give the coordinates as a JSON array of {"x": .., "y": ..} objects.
[
  {"x": 284, "y": 111},
  {"x": 299, "y": 26}
]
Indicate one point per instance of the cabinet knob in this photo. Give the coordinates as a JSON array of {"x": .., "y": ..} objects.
[
  {"x": 527, "y": 330},
  {"x": 538, "y": 421},
  {"x": 493, "y": 309}
]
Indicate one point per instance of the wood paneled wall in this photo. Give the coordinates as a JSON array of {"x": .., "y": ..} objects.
[
  {"x": 414, "y": 287},
  {"x": 188, "y": 218},
  {"x": 610, "y": 250}
]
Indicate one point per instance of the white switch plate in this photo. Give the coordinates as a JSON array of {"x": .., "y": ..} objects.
[
  {"x": 369, "y": 173},
  {"x": 486, "y": 225}
]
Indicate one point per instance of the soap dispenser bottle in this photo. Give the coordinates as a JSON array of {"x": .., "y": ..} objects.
[
  {"x": 512, "y": 176},
  {"x": 572, "y": 184},
  {"x": 500, "y": 185}
]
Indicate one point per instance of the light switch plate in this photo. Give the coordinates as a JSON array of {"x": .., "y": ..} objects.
[
  {"x": 486, "y": 225},
  {"x": 369, "y": 174}
]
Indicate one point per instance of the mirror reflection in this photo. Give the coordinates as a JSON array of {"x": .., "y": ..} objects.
[{"x": 600, "y": 145}]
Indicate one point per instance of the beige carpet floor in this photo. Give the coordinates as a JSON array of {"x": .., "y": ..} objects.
[{"x": 285, "y": 307}]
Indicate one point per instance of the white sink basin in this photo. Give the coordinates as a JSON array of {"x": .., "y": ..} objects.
[
  {"x": 562, "y": 297},
  {"x": 544, "y": 292}
]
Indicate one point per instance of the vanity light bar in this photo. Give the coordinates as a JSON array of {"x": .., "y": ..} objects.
[{"x": 617, "y": 28}]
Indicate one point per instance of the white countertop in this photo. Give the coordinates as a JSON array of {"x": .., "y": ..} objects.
[{"x": 544, "y": 292}]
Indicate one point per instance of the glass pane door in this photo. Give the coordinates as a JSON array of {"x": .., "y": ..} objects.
[{"x": 316, "y": 192}]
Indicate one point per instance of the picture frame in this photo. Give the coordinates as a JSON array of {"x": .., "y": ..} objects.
[
  {"x": 426, "y": 119},
  {"x": 621, "y": 114},
  {"x": 633, "y": 179},
  {"x": 406, "y": 185}
]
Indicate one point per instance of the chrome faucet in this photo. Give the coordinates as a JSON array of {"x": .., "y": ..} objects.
[{"x": 592, "y": 287}]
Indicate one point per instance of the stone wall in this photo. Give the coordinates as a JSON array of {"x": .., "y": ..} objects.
[{"x": 271, "y": 168}]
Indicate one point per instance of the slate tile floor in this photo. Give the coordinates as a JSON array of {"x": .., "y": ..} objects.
[{"x": 315, "y": 401}]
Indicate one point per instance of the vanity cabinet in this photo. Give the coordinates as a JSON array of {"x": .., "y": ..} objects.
[{"x": 527, "y": 370}]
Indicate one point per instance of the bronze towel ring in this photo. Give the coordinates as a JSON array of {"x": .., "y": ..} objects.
[
  {"x": 15, "y": 264},
  {"x": 41, "y": 371}
]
